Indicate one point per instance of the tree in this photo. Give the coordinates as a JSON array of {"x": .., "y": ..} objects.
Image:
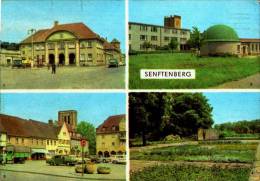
[
  {"x": 88, "y": 130},
  {"x": 147, "y": 45},
  {"x": 186, "y": 113},
  {"x": 173, "y": 44},
  {"x": 153, "y": 116},
  {"x": 196, "y": 38},
  {"x": 145, "y": 110}
]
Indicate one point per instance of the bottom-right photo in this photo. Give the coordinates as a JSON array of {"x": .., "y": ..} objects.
[{"x": 194, "y": 136}]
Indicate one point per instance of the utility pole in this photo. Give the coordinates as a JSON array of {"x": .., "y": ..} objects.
[{"x": 31, "y": 32}]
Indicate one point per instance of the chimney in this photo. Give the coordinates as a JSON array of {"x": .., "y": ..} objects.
[
  {"x": 50, "y": 122},
  {"x": 56, "y": 23}
]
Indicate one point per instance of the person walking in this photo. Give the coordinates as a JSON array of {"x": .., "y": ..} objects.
[{"x": 53, "y": 68}]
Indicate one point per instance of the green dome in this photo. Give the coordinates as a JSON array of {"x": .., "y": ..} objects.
[{"x": 220, "y": 33}]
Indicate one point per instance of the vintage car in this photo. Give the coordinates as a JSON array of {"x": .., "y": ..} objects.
[
  {"x": 120, "y": 159},
  {"x": 113, "y": 63},
  {"x": 61, "y": 160}
]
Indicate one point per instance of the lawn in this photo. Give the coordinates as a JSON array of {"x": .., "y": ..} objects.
[
  {"x": 191, "y": 173},
  {"x": 210, "y": 71},
  {"x": 226, "y": 153}
]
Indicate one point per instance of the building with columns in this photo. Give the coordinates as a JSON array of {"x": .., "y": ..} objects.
[{"x": 68, "y": 44}]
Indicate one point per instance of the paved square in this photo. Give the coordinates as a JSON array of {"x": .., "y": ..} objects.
[{"x": 65, "y": 78}]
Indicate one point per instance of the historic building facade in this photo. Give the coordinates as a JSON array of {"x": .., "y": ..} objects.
[
  {"x": 111, "y": 136},
  {"x": 8, "y": 56},
  {"x": 42, "y": 139},
  {"x": 158, "y": 36},
  {"x": 67, "y": 44}
]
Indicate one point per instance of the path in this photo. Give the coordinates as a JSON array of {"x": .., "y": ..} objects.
[
  {"x": 162, "y": 145},
  {"x": 255, "y": 175},
  {"x": 251, "y": 82}
]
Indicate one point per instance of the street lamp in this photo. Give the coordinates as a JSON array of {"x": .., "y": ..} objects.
[{"x": 31, "y": 32}]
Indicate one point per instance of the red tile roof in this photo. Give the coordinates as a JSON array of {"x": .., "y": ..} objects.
[
  {"x": 249, "y": 40},
  {"x": 15, "y": 126},
  {"x": 109, "y": 123},
  {"x": 80, "y": 30}
]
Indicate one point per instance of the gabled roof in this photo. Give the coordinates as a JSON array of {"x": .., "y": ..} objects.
[
  {"x": 109, "y": 123},
  {"x": 80, "y": 30},
  {"x": 15, "y": 126},
  {"x": 110, "y": 46}
]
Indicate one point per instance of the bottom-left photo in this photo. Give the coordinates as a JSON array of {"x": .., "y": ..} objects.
[{"x": 62, "y": 136}]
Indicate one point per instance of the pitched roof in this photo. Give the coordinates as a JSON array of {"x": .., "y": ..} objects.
[
  {"x": 19, "y": 127},
  {"x": 80, "y": 30},
  {"x": 109, "y": 124}
]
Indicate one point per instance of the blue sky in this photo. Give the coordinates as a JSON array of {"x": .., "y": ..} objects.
[
  {"x": 107, "y": 18},
  {"x": 243, "y": 15},
  {"x": 92, "y": 107},
  {"x": 234, "y": 106}
]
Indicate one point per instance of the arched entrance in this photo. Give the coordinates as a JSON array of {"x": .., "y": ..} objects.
[
  {"x": 51, "y": 59},
  {"x": 72, "y": 60},
  {"x": 100, "y": 153},
  {"x": 120, "y": 153},
  {"x": 113, "y": 153},
  {"x": 61, "y": 59},
  {"x": 106, "y": 154}
]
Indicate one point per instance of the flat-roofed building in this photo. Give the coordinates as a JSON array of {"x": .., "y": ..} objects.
[{"x": 158, "y": 36}]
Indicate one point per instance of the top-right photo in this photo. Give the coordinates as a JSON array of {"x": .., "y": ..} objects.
[{"x": 191, "y": 44}]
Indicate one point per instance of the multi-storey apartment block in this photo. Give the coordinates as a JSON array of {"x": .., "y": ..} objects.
[{"x": 158, "y": 36}]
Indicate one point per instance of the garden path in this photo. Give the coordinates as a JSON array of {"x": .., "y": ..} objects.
[{"x": 255, "y": 175}]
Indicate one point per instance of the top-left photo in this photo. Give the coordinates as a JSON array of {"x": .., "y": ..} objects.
[{"x": 67, "y": 44}]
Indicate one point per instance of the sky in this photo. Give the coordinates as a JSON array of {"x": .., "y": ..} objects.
[
  {"x": 106, "y": 18},
  {"x": 91, "y": 107},
  {"x": 230, "y": 106},
  {"x": 242, "y": 15}
]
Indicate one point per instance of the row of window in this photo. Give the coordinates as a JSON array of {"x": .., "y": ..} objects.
[
  {"x": 61, "y": 45},
  {"x": 255, "y": 47},
  {"x": 38, "y": 141},
  {"x": 155, "y": 29},
  {"x": 86, "y": 57}
]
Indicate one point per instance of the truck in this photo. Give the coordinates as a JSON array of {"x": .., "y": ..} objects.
[{"x": 17, "y": 154}]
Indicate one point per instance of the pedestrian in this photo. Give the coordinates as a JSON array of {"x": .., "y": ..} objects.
[{"x": 53, "y": 68}]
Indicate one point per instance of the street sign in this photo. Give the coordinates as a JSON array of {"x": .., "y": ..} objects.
[{"x": 83, "y": 143}]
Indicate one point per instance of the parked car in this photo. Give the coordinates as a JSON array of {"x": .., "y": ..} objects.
[
  {"x": 18, "y": 63},
  {"x": 113, "y": 63},
  {"x": 105, "y": 159},
  {"x": 121, "y": 64},
  {"x": 61, "y": 160},
  {"x": 95, "y": 159},
  {"x": 120, "y": 159}
]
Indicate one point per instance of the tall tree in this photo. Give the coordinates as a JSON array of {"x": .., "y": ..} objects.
[
  {"x": 88, "y": 130},
  {"x": 196, "y": 38},
  {"x": 186, "y": 113},
  {"x": 173, "y": 44}
]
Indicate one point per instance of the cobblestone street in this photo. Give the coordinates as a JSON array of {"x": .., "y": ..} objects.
[
  {"x": 65, "y": 78},
  {"x": 40, "y": 171}
]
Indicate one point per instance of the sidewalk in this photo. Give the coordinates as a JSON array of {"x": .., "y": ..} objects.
[{"x": 255, "y": 175}]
